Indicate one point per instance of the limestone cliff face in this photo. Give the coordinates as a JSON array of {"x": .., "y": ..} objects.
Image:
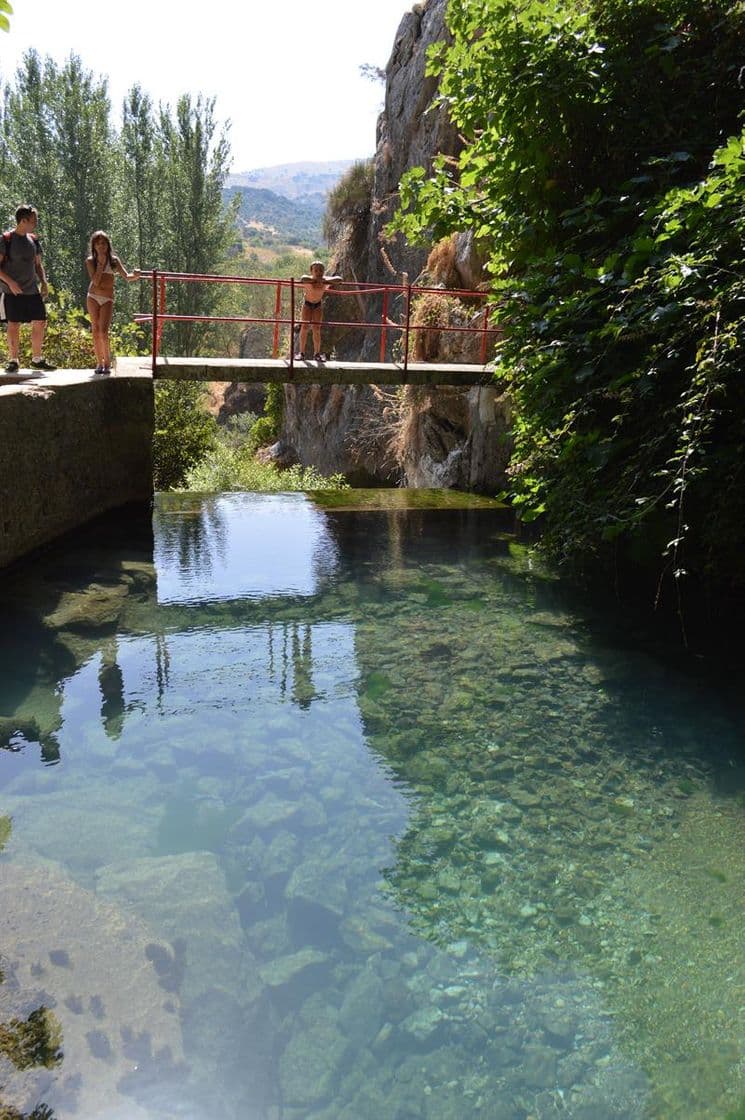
[
  {"x": 457, "y": 438},
  {"x": 460, "y": 438},
  {"x": 412, "y": 130},
  {"x": 335, "y": 429}
]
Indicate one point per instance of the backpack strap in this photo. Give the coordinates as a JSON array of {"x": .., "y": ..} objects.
[{"x": 8, "y": 240}]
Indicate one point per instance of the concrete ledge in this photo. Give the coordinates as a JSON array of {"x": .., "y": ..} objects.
[{"x": 72, "y": 446}]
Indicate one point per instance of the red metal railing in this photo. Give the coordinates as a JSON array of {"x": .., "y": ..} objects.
[{"x": 407, "y": 292}]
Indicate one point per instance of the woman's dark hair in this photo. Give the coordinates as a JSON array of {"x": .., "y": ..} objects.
[{"x": 109, "y": 253}]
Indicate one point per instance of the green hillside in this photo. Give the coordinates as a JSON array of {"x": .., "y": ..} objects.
[{"x": 269, "y": 219}]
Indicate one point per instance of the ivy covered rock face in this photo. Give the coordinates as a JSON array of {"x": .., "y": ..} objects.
[{"x": 606, "y": 181}]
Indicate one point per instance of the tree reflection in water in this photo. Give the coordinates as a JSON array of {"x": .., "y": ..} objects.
[{"x": 196, "y": 534}]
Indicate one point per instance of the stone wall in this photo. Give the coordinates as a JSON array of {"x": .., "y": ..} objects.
[{"x": 71, "y": 447}]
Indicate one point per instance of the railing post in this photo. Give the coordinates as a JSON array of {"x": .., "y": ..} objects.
[
  {"x": 162, "y": 303},
  {"x": 483, "y": 337},
  {"x": 155, "y": 319},
  {"x": 277, "y": 310},
  {"x": 406, "y": 327},
  {"x": 385, "y": 321},
  {"x": 292, "y": 325}
]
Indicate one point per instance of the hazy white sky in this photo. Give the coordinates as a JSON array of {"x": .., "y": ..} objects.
[{"x": 284, "y": 72}]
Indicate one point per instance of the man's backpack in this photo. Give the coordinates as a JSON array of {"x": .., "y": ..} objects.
[
  {"x": 8, "y": 240},
  {"x": 6, "y": 257}
]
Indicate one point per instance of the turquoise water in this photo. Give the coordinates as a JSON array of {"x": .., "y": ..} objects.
[{"x": 356, "y": 815}]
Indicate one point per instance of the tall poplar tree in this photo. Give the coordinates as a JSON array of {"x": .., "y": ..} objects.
[
  {"x": 57, "y": 146},
  {"x": 195, "y": 157},
  {"x": 85, "y": 157},
  {"x": 139, "y": 202}
]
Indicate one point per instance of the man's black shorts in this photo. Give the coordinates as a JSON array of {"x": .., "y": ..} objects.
[{"x": 24, "y": 309}]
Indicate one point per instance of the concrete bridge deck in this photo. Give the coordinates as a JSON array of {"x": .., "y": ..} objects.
[
  {"x": 305, "y": 372},
  {"x": 270, "y": 370}
]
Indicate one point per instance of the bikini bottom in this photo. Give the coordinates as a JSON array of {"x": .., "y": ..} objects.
[{"x": 100, "y": 300}]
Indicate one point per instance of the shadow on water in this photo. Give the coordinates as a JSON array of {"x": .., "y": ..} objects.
[
  {"x": 60, "y": 608},
  {"x": 576, "y": 799}
]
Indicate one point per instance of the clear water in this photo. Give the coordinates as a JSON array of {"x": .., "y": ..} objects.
[{"x": 334, "y": 815}]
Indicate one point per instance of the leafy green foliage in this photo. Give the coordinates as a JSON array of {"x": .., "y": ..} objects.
[
  {"x": 57, "y": 153},
  {"x": 156, "y": 186},
  {"x": 232, "y": 465},
  {"x": 184, "y": 432},
  {"x": 628, "y": 376},
  {"x": 194, "y": 157},
  {"x": 67, "y": 342},
  {"x": 5, "y": 11},
  {"x": 604, "y": 169},
  {"x": 267, "y": 427}
]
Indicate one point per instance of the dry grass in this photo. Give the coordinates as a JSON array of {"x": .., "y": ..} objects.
[
  {"x": 392, "y": 425},
  {"x": 440, "y": 265}
]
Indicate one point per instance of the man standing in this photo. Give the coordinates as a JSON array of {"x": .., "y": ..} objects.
[{"x": 24, "y": 281}]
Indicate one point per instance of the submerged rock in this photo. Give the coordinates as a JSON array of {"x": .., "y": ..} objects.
[
  {"x": 311, "y": 1064},
  {"x": 284, "y": 970}
]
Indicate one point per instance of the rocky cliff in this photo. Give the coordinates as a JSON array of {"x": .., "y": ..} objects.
[{"x": 448, "y": 437}]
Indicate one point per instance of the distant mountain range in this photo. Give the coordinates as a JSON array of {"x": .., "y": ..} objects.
[
  {"x": 284, "y": 205},
  {"x": 293, "y": 180}
]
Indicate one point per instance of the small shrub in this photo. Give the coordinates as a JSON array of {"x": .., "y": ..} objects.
[
  {"x": 348, "y": 204},
  {"x": 229, "y": 469},
  {"x": 267, "y": 428}
]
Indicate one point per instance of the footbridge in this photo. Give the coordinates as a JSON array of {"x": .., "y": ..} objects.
[
  {"x": 416, "y": 335},
  {"x": 74, "y": 444}
]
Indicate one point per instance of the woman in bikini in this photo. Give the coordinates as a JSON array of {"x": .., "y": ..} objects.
[
  {"x": 102, "y": 266},
  {"x": 314, "y": 288}
]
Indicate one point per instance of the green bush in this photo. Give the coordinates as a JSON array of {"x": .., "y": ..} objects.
[
  {"x": 226, "y": 468},
  {"x": 266, "y": 428},
  {"x": 348, "y": 203},
  {"x": 184, "y": 432},
  {"x": 67, "y": 341}
]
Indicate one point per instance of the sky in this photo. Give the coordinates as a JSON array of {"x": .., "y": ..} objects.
[{"x": 286, "y": 73}]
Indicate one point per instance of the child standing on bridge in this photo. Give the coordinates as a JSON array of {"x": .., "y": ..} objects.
[
  {"x": 102, "y": 265},
  {"x": 315, "y": 287}
]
